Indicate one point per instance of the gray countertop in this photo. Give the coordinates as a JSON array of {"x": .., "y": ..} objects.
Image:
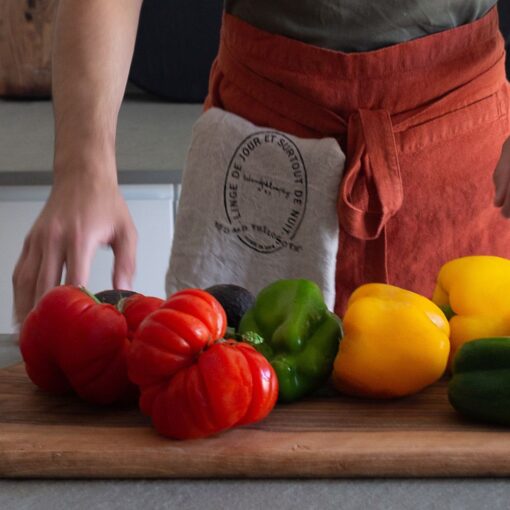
[
  {"x": 152, "y": 140},
  {"x": 445, "y": 494}
]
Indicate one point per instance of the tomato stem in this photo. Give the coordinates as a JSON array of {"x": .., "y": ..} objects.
[
  {"x": 448, "y": 311},
  {"x": 250, "y": 337},
  {"x": 89, "y": 294},
  {"x": 120, "y": 304}
]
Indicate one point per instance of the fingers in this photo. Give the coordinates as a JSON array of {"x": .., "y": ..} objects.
[
  {"x": 124, "y": 250},
  {"x": 501, "y": 179},
  {"x": 68, "y": 233},
  {"x": 505, "y": 208},
  {"x": 24, "y": 279},
  {"x": 79, "y": 256},
  {"x": 50, "y": 271}
]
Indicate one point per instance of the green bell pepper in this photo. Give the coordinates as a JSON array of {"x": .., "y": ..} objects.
[
  {"x": 301, "y": 335},
  {"x": 480, "y": 384}
]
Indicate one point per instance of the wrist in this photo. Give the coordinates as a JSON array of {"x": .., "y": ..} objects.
[{"x": 86, "y": 163}]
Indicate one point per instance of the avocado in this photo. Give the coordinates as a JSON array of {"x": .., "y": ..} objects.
[
  {"x": 235, "y": 300},
  {"x": 112, "y": 297}
]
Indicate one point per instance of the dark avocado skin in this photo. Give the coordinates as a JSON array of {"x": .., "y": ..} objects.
[
  {"x": 112, "y": 297},
  {"x": 235, "y": 300}
]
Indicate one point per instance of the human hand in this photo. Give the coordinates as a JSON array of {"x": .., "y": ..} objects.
[
  {"x": 82, "y": 213},
  {"x": 501, "y": 180}
]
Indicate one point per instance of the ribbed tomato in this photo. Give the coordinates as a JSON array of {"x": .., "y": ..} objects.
[
  {"x": 193, "y": 383},
  {"x": 72, "y": 342}
]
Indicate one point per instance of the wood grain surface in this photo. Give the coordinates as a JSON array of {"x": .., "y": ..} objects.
[
  {"x": 331, "y": 436},
  {"x": 26, "y": 32}
]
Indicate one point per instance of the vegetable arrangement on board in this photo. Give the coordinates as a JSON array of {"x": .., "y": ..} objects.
[{"x": 197, "y": 376}]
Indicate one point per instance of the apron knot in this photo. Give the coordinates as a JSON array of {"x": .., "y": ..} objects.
[{"x": 371, "y": 191}]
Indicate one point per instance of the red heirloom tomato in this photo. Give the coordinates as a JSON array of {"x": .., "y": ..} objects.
[
  {"x": 135, "y": 308},
  {"x": 70, "y": 341},
  {"x": 194, "y": 384}
]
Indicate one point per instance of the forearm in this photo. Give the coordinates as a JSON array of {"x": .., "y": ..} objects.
[{"x": 93, "y": 47}]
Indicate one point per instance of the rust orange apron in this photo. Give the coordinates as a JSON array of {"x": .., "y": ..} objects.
[{"x": 422, "y": 124}]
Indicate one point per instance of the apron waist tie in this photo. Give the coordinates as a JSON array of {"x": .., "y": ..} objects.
[{"x": 371, "y": 191}]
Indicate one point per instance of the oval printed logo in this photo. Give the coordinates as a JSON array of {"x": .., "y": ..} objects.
[{"x": 265, "y": 192}]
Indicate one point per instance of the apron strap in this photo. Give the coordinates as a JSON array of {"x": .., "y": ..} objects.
[{"x": 371, "y": 191}]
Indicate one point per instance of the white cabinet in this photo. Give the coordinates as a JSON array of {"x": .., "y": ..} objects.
[{"x": 152, "y": 208}]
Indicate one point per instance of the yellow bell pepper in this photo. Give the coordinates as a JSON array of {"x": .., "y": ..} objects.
[
  {"x": 395, "y": 343},
  {"x": 475, "y": 292}
]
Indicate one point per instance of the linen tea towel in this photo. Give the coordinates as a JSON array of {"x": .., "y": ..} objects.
[{"x": 256, "y": 205}]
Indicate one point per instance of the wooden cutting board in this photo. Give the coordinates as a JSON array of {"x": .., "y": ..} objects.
[{"x": 420, "y": 436}]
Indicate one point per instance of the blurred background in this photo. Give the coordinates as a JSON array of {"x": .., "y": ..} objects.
[{"x": 175, "y": 46}]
